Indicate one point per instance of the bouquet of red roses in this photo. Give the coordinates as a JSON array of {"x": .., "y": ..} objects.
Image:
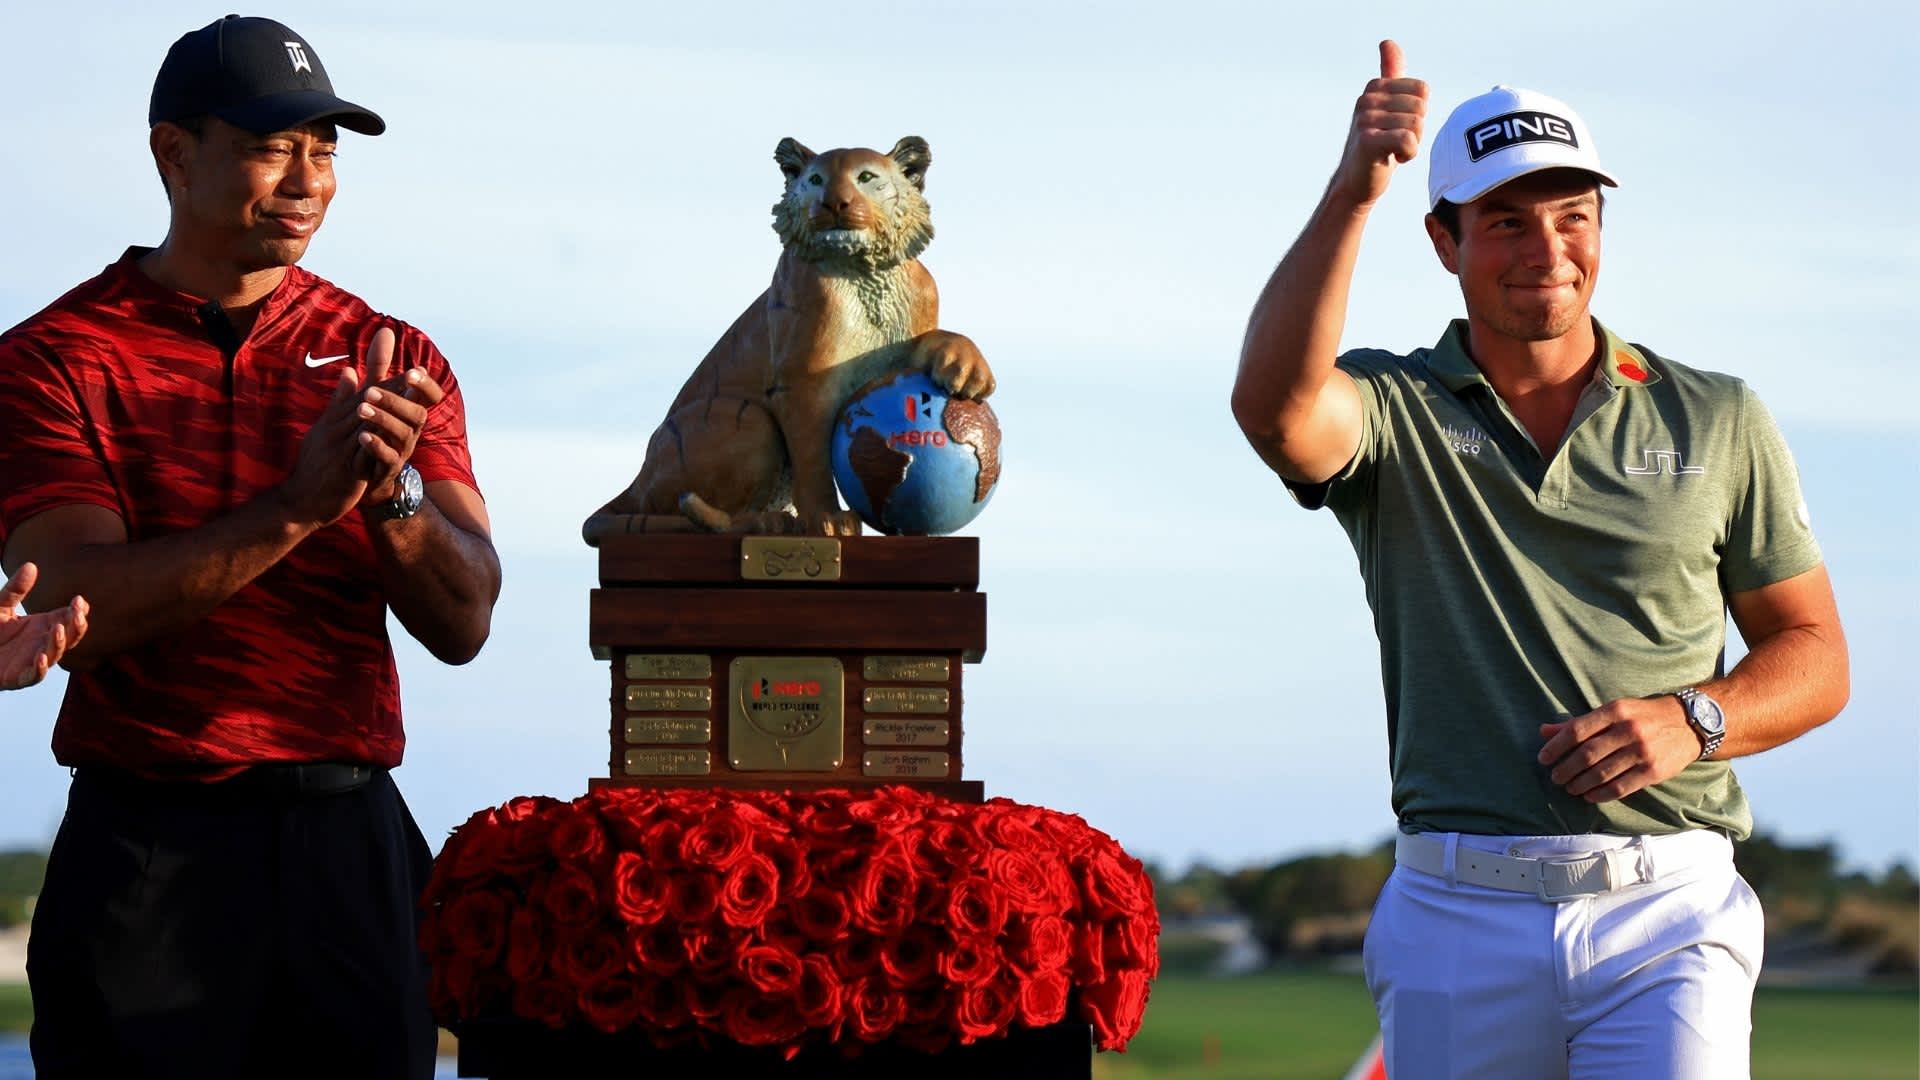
[{"x": 781, "y": 919}]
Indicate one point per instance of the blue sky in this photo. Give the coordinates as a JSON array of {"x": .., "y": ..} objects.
[{"x": 572, "y": 199}]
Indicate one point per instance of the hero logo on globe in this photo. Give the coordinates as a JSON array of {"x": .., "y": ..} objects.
[{"x": 1515, "y": 128}]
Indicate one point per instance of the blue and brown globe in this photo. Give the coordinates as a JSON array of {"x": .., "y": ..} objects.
[{"x": 911, "y": 459}]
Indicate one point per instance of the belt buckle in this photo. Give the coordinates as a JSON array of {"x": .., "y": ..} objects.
[{"x": 1575, "y": 887}]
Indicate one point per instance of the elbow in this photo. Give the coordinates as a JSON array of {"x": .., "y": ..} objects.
[{"x": 458, "y": 649}]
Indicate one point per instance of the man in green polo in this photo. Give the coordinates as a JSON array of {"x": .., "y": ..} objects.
[{"x": 1551, "y": 523}]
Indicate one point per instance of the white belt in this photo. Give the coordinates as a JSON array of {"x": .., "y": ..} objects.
[{"x": 1555, "y": 878}]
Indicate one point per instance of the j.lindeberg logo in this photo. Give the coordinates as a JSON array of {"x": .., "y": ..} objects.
[
  {"x": 1667, "y": 462},
  {"x": 1514, "y": 128},
  {"x": 1463, "y": 441},
  {"x": 297, "y": 52}
]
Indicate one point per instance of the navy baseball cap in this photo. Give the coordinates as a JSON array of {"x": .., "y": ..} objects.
[{"x": 254, "y": 74}]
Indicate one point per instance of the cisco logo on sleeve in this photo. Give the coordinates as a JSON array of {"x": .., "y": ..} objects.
[{"x": 1515, "y": 128}]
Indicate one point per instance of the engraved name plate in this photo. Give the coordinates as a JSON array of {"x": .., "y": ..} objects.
[
  {"x": 921, "y": 763},
  {"x": 905, "y": 699},
  {"x": 782, "y": 558},
  {"x": 904, "y": 731},
  {"x": 669, "y": 666},
  {"x": 669, "y": 729},
  {"x": 669, "y": 698},
  {"x": 786, "y": 713},
  {"x": 669, "y": 762},
  {"x": 905, "y": 668}
]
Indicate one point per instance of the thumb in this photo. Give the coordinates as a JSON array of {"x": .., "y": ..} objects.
[
  {"x": 17, "y": 588},
  {"x": 380, "y": 356},
  {"x": 1392, "y": 62}
]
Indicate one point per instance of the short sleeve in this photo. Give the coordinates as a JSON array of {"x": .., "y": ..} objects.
[
  {"x": 1770, "y": 536},
  {"x": 48, "y": 457},
  {"x": 441, "y": 453},
  {"x": 1362, "y": 365}
]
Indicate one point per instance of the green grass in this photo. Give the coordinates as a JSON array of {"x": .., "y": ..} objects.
[
  {"x": 1285, "y": 1025},
  {"x": 16, "y": 1007}
]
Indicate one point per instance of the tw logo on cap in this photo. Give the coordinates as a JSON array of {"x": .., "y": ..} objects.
[
  {"x": 1515, "y": 128},
  {"x": 297, "y": 52}
]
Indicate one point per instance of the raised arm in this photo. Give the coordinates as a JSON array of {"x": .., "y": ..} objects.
[{"x": 1301, "y": 415}]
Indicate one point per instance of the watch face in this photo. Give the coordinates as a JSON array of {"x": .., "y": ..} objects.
[{"x": 1706, "y": 712}]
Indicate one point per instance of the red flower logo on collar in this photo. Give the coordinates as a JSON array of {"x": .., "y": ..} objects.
[{"x": 1628, "y": 368}]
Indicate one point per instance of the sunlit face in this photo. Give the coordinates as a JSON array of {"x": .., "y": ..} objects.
[
  {"x": 1528, "y": 254},
  {"x": 252, "y": 200}
]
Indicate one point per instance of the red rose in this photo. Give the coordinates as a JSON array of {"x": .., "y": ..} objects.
[
  {"x": 950, "y": 843},
  {"x": 971, "y": 961},
  {"x": 1042, "y": 943},
  {"x": 1089, "y": 954},
  {"x": 1043, "y": 999},
  {"x": 527, "y": 944},
  {"x": 826, "y": 822},
  {"x": 856, "y": 955},
  {"x": 1114, "y": 1008},
  {"x": 640, "y": 892},
  {"x": 475, "y": 924},
  {"x": 976, "y": 907},
  {"x": 590, "y": 958},
  {"x": 910, "y": 957},
  {"x": 749, "y": 891},
  {"x": 930, "y": 1003},
  {"x": 474, "y": 850},
  {"x": 459, "y": 976},
  {"x": 873, "y": 1009},
  {"x": 711, "y": 951},
  {"x": 770, "y": 969},
  {"x": 658, "y": 948},
  {"x": 1022, "y": 882},
  {"x": 578, "y": 838},
  {"x": 549, "y": 1001},
  {"x": 523, "y": 807},
  {"x": 790, "y": 858},
  {"x": 662, "y": 1004},
  {"x": 1063, "y": 892},
  {"x": 718, "y": 841},
  {"x": 526, "y": 835},
  {"x": 695, "y": 896},
  {"x": 817, "y": 995},
  {"x": 1130, "y": 943},
  {"x": 1070, "y": 832},
  {"x": 1113, "y": 887},
  {"x": 752, "y": 1019},
  {"x": 883, "y": 812},
  {"x": 570, "y": 897},
  {"x": 660, "y": 842},
  {"x": 820, "y": 914},
  {"x": 986, "y": 1009},
  {"x": 886, "y": 894},
  {"x": 1012, "y": 827},
  {"x": 611, "y": 1006}
]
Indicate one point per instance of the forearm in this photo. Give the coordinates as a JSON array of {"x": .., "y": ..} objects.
[
  {"x": 1280, "y": 396},
  {"x": 1789, "y": 683},
  {"x": 441, "y": 581},
  {"x": 147, "y": 589}
]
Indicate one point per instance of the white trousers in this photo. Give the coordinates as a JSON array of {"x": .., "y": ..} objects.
[{"x": 1647, "y": 981}]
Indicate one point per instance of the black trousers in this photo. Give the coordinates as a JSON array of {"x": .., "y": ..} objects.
[{"x": 196, "y": 930}]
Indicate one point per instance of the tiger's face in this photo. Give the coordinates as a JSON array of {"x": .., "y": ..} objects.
[{"x": 856, "y": 207}]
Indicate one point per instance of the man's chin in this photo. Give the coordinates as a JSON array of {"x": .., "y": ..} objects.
[{"x": 277, "y": 254}]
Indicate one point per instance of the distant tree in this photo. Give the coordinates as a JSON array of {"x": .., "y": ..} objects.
[
  {"x": 1276, "y": 898},
  {"x": 21, "y": 873}
]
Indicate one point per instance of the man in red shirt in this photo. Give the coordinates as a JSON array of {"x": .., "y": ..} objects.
[{"x": 245, "y": 468}]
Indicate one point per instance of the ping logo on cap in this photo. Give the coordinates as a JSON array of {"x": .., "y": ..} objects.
[{"x": 1514, "y": 128}]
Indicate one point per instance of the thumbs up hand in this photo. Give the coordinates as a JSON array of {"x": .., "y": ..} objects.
[{"x": 1386, "y": 131}]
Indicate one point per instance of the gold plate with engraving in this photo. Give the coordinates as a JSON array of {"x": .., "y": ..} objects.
[
  {"x": 787, "y": 713},
  {"x": 904, "y": 731},
  {"x": 669, "y": 763},
  {"x": 669, "y": 729},
  {"x": 905, "y": 699},
  {"x": 905, "y": 668},
  {"x": 788, "y": 558},
  {"x": 669, "y": 698},
  {"x": 669, "y": 666},
  {"x": 927, "y": 764}
]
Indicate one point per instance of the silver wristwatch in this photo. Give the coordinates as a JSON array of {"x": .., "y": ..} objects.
[
  {"x": 1706, "y": 718},
  {"x": 408, "y": 494}
]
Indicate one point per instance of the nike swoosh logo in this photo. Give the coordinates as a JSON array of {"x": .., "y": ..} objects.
[{"x": 322, "y": 361}]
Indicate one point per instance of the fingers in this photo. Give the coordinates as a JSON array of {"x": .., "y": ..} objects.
[
  {"x": 422, "y": 388},
  {"x": 18, "y": 586},
  {"x": 1392, "y": 62},
  {"x": 392, "y": 415},
  {"x": 380, "y": 356},
  {"x": 77, "y": 609}
]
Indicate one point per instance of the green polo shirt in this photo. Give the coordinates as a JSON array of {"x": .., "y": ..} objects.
[{"x": 1511, "y": 588}]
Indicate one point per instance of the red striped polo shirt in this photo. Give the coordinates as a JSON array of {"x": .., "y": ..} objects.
[{"x": 128, "y": 395}]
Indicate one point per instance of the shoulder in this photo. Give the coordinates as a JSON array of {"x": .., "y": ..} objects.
[
  {"x": 1383, "y": 367},
  {"x": 318, "y": 295},
  {"x": 78, "y": 315},
  {"x": 1695, "y": 385}
]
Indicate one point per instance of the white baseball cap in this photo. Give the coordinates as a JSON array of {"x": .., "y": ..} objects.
[{"x": 1505, "y": 134}]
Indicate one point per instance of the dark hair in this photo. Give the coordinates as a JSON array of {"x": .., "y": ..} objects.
[
  {"x": 195, "y": 126},
  {"x": 1448, "y": 213}
]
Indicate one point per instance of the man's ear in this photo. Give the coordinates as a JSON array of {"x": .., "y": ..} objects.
[
  {"x": 173, "y": 146},
  {"x": 1444, "y": 245}
]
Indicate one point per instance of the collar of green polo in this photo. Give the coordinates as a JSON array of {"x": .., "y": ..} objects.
[{"x": 1621, "y": 365}]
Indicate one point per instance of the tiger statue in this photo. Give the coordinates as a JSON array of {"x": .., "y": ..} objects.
[{"x": 746, "y": 446}]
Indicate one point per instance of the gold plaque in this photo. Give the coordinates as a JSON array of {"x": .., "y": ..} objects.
[
  {"x": 921, "y": 763},
  {"x": 669, "y": 698},
  {"x": 669, "y": 729},
  {"x": 786, "y": 558},
  {"x": 669, "y": 763},
  {"x": 905, "y": 699},
  {"x": 669, "y": 666},
  {"x": 903, "y": 731},
  {"x": 787, "y": 712},
  {"x": 904, "y": 668}
]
